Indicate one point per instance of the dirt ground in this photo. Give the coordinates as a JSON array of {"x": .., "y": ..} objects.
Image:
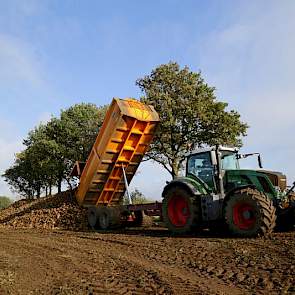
[{"x": 143, "y": 261}]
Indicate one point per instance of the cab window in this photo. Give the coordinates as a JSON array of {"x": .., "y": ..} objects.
[
  {"x": 229, "y": 162},
  {"x": 201, "y": 166}
]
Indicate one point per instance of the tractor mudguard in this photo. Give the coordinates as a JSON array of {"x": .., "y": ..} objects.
[
  {"x": 182, "y": 182},
  {"x": 232, "y": 191}
]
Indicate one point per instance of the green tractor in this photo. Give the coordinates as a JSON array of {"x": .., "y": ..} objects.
[{"x": 215, "y": 191}]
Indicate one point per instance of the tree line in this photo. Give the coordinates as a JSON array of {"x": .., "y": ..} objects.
[
  {"x": 191, "y": 117},
  {"x": 51, "y": 150}
]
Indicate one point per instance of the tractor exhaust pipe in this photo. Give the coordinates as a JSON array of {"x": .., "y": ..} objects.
[{"x": 219, "y": 171}]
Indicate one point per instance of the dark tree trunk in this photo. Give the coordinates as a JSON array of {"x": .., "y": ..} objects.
[
  {"x": 38, "y": 192},
  {"x": 59, "y": 187},
  {"x": 175, "y": 168},
  {"x": 69, "y": 184}
]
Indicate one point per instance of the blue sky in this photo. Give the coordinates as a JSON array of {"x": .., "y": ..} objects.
[{"x": 57, "y": 53}]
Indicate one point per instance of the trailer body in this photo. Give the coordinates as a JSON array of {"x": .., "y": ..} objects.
[{"x": 123, "y": 139}]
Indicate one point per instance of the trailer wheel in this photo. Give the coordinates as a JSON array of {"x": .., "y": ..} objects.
[
  {"x": 92, "y": 215},
  {"x": 104, "y": 218},
  {"x": 286, "y": 220},
  {"x": 181, "y": 210},
  {"x": 138, "y": 221},
  {"x": 249, "y": 213}
]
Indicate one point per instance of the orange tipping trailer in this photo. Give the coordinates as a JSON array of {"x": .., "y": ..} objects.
[{"x": 123, "y": 139}]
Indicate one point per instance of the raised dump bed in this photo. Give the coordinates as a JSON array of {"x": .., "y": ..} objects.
[{"x": 123, "y": 140}]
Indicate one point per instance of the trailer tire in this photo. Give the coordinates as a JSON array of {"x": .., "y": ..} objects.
[
  {"x": 286, "y": 220},
  {"x": 104, "y": 218},
  {"x": 138, "y": 221},
  {"x": 249, "y": 213},
  {"x": 141, "y": 219},
  {"x": 181, "y": 210},
  {"x": 92, "y": 216}
]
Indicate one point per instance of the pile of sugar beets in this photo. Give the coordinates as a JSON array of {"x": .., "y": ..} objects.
[{"x": 60, "y": 211}]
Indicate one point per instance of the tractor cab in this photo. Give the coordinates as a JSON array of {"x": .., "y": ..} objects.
[
  {"x": 206, "y": 164},
  {"x": 218, "y": 168}
]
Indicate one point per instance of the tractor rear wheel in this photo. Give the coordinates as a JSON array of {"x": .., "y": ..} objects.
[
  {"x": 181, "y": 210},
  {"x": 249, "y": 213}
]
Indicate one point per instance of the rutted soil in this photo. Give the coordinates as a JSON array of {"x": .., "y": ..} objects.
[
  {"x": 143, "y": 261},
  {"x": 39, "y": 255}
]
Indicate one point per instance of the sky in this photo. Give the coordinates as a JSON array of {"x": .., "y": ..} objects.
[{"x": 54, "y": 54}]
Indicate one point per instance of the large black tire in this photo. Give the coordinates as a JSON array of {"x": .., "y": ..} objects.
[
  {"x": 103, "y": 218},
  {"x": 92, "y": 215},
  {"x": 249, "y": 213},
  {"x": 138, "y": 221},
  {"x": 181, "y": 210},
  {"x": 286, "y": 220},
  {"x": 141, "y": 220}
]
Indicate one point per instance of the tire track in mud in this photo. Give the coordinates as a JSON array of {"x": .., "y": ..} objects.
[
  {"x": 149, "y": 255},
  {"x": 230, "y": 261},
  {"x": 73, "y": 270},
  {"x": 63, "y": 262}
]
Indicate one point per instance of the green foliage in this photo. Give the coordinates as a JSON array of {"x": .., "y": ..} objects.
[
  {"x": 190, "y": 115},
  {"x": 52, "y": 149},
  {"x": 137, "y": 197},
  {"x": 74, "y": 132},
  {"x": 4, "y": 202},
  {"x": 77, "y": 129}
]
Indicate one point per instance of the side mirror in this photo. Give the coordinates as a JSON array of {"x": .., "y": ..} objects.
[{"x": 259, "y": 161}]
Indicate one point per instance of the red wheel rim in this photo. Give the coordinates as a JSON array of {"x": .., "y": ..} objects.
[
  {"x": 244, "y": 216},
  {"x": 178, "y": 211}
]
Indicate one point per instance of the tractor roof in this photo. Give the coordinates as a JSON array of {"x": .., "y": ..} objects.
[{"x": 213, "y": 148}]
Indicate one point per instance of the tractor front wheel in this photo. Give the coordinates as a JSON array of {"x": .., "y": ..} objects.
[
  {"x": 181, "y": 210},
  {"x": 249, "y": 213}
]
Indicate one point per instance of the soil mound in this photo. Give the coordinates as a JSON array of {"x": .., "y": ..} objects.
[{"x": 60, "y": 211}]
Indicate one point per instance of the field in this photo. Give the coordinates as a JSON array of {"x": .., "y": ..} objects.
[
  {"x": 143, "y": 261},
  {"x": 47, "y": 248}
]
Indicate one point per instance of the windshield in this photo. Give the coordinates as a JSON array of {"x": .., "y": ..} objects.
[{"x": 229, "y": 162}]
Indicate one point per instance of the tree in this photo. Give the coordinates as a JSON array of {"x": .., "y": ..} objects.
[
  {"x": 4, "y": 202},
  {"x": 190, "y": 115},
  {"x": 75, "y": 132},
  {"x": 19, "y": 177},
  {"x": 51, "y": 150},
  {"x": 44, "y": 156}
]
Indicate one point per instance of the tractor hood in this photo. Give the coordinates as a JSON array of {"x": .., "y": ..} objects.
[{"x": 277, "y": 178}]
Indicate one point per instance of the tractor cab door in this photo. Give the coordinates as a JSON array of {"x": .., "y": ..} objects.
[{"x": 200, "y": 165}]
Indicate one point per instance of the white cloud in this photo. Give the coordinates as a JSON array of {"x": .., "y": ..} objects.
[
  {"x": 251, "y": 61},
  {"x": 18, "y": 62},
  {"x": 19, "y": 71}
]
